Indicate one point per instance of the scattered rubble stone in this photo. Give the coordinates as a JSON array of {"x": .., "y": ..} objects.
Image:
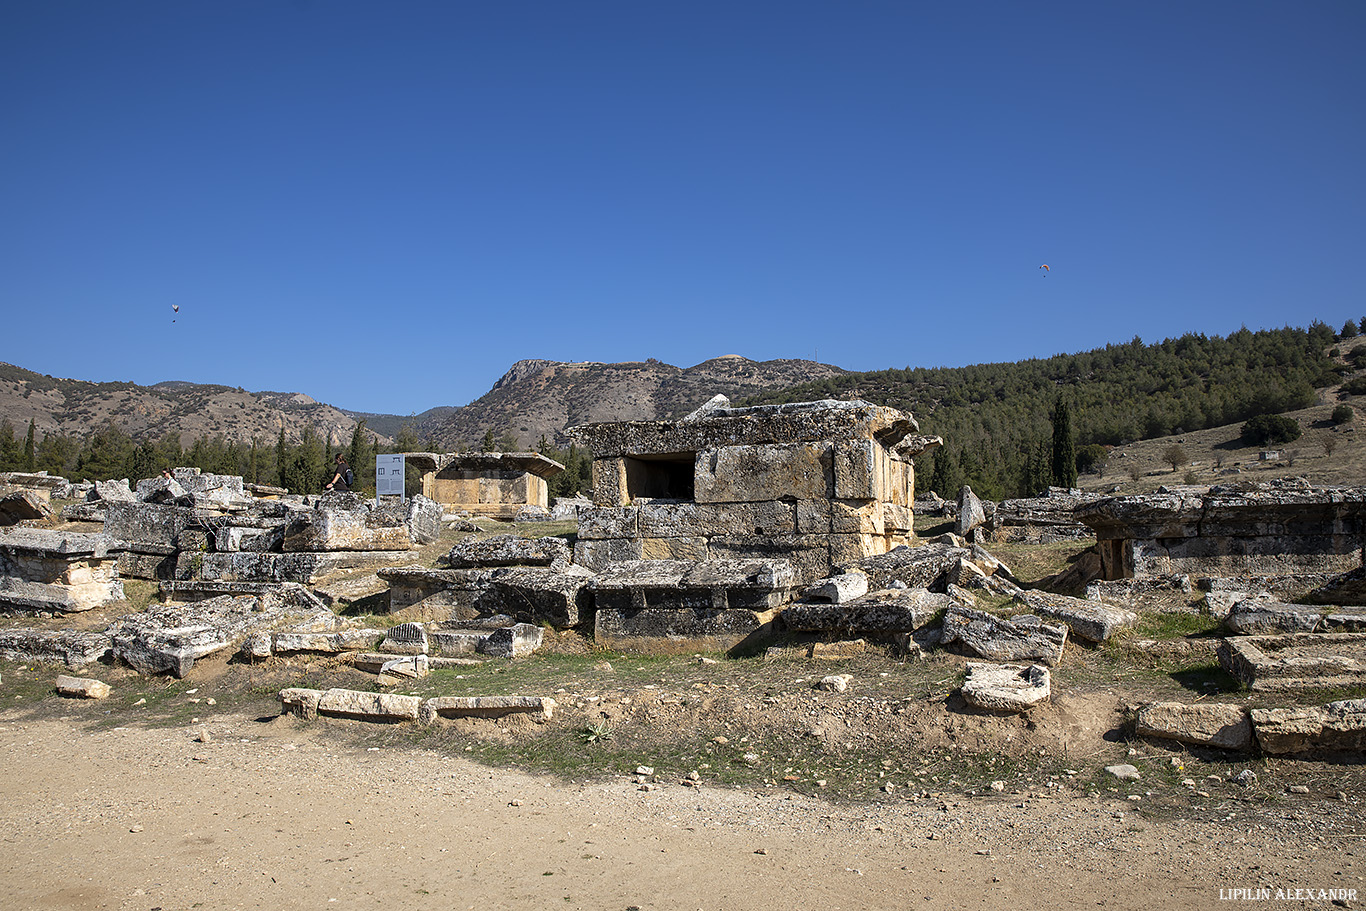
[
  {"x": 82, "y": 687},
  {"x": 1335, "y": 727},
  {"x": 1296, "y": 661}
]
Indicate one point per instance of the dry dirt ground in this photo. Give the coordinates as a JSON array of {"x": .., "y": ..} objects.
[{"x": 193, "y": 804}]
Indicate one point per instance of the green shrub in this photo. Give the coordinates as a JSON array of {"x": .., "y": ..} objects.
[
  {"x": 1344, "y": 414},
  {"x": 1270, "y": 429}
]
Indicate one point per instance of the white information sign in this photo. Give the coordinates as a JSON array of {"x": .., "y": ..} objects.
[{"x": 389, "y": 475}]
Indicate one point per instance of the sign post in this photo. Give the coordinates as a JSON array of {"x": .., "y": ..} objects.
[{"x": 389, "y": 475}]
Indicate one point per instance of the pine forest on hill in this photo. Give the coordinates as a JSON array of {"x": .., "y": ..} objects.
[{"x": 996, "y": 419}]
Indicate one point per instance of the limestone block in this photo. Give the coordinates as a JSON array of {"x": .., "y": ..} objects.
[
  {"x": 336, "y": 524},
  {"x": 859, "y": 468},
  {"x": 674, "y": 549},
  {"x": 838, "y": 589},
  {"x": 562, "y": 598},
  {"x": 682, "y": 630},
  {"x": 808, "y": 555},
  {"x": 18, "y": 505},
  {"x": 82, "y": 687},
  {"x": 409, "y": 667},
  {"x": 134, "y": 565},
  {"x": 600, "y": 523},
  {"x": 543, "y": 707},
  {"x": 515, "y": 641},
  {"x": 1335, "y": 727},
  {"x": 300, "y": 701},
  {"x": 998, "y": 639},
  {"x": 597, "y": 555},
  {"x": 971, "y": 513},
  {"x": 1089, "y": 620},
  {"x": 148, "y": 523},
  {"x": 306, "y": 568},
  {"x": 327, "y": 643},
  {"x": 508, "y": 550},
  {"x": 423, "y": 520},
  {"x": 1296, "y": 661},
  {"x": 171, "y": 637},
  {"x": 746, "y": 474},
  {"x": 1206, "y": 724},
  {"x": 1252, "y": 617},
  {"x": 1006, "y": 687},
  {"x": 370, "y": 706},
  {"x": 455, "y": 643},
  {"x": 882, "y": 612},
  {"x": 609, "y": 482},
  {"x": 924, "y": 566},
  {"x": 74, "y": 648}
]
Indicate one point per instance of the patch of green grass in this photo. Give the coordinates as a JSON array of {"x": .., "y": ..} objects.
[{"x": 1178, "y": 625}]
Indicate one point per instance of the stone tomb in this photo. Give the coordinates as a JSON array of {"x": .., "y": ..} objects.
[
  {"x": 42, "y": 571},
  {"x": 495, "y": 484},
  {"x": 1276, "y": 529},
  {"x": 664, "y": 606},
  {"x": 812, "y": 483}
]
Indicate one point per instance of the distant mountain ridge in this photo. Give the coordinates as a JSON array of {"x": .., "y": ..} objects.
[
  {"x": 534, "y": 398},
  {"x": 537, "y": 398},
  {"x": 191, "y": 410}
]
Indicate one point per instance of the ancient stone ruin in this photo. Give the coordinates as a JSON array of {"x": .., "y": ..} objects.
[
  {"x": 495, "y": 484},
  {"x": 812, "y": 483}
]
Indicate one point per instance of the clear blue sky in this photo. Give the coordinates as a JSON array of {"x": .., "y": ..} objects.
[{"x": 384, "y": 205}]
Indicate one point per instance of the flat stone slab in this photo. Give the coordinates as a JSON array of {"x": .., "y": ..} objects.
[
  {"x": 1006, "y": 687},
  {"x": 68, "y": 545},
  {"x": 996, "y": 638},
  {"x": 305, "y": 568},
  {"x": 1296, "y": 661},
  {"x": 1335, "y": 727},
  {"x": 929, "y": 566},
  {"x": 74, "y": 648},
  {"x": 508, "y": 550},
  {"x": 665, "y": 631},
  {"x": 486, "y": 707},
  {"x": 1090, "y": 620},
  {"x": 389, "y": 707},
  {"x": 19, "y": 505},
  {"x": 1225, "y": 726},
  {"x": 21, "y": 596},
  {"x": 708, "y": 585},
  {"x": 838, "y": 589},
  {"x": 887, "y": 611},
  {"x": 1256, "y": 616}
]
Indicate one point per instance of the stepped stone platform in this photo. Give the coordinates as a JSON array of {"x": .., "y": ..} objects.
[
  {"x": 1296, "y": 661},
  {"x": 45, "y": 571}
]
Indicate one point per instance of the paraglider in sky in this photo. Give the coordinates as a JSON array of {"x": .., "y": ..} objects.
[
  {"x": 175, "y": 308},
  {"x": 1045, "y": 269}
]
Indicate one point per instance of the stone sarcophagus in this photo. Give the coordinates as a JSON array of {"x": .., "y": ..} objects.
[
  {"x": 495, "y": 484},
  {"x": 1280, "y": 528},
  {"x": 813, "y": 483}
]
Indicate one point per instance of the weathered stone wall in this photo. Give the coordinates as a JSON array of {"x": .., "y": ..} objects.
[
  {"x": 1282, "y": 528},
  {"x": 485, "y": 495},
  {"x": 816, "y": 484}
]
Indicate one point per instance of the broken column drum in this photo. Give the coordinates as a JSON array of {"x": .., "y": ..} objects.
[{"x": 813, "y": 483}]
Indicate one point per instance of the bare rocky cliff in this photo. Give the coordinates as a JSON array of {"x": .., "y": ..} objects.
[{"x": 538, "y": 398}]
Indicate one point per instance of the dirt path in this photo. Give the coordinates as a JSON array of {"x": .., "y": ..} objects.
[{"x": 281, "y": 814}]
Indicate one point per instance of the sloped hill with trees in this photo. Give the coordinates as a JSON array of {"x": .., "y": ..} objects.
[{"x": 997, "y": 419}]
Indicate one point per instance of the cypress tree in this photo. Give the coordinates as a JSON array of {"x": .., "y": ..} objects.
[
  {"x": 1064, "y": 447},
  {"x": 30, "y": 449}
]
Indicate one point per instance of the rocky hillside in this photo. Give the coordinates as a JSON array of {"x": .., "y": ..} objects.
[
  {"x": 192, "y": 410},
  {"x": 538, "y": 398}
]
